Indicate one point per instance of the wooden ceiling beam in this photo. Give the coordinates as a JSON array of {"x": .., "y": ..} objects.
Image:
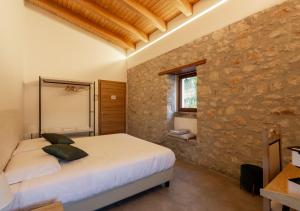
[
  {"x": 84, "y": 24},
  {"x": 185, "y": 7},
  {"x": 100, "y": 11},
  {"x": 155, "y": 20}
]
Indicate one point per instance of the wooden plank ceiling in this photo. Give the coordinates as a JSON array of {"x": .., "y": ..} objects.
[{"x": 121, "y": 22}]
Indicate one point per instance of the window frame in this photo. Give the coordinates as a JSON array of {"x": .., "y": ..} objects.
[{"x": 179, "y": 92}]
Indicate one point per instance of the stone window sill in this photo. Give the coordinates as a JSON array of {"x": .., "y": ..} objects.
[
  {"x": 190, "y": 142},
  {"x": 169, "y": 140},
  {"x": 191, "y": 115}
]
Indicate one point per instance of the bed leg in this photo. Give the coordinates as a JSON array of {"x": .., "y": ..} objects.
[{"x": 167, "y": 184}]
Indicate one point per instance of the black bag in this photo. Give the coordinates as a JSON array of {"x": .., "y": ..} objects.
[{"x": 251, "y": 178}]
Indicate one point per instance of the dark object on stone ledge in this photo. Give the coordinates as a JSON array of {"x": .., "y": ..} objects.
[{"x": 251, "y": 178}]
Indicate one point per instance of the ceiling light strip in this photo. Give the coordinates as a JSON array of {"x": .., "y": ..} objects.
[{"x": 209, "y": 9}]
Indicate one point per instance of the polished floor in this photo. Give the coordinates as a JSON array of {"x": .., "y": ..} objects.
[{"x": 193, "y": 188}]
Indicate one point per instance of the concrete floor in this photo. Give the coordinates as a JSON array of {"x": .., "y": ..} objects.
[{"x": 193, "y": 188}]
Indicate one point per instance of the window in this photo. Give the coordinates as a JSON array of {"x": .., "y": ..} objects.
[{"x": 187, "y": 92}]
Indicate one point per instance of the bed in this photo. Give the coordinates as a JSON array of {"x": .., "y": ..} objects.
[{"x": 118, "y": 166}]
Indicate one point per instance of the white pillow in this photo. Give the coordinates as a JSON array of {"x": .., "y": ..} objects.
[
  {"x": 31, "y": 164},
  {"x": 31, "y": 144}
]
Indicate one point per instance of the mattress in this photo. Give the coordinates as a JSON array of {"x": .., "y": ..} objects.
[{"x": 113, "y": 161}]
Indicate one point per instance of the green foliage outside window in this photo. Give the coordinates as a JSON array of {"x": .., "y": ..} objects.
[{"x": 189, "y": 92}]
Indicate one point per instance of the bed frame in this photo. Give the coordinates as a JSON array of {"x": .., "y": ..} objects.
[{"x": 109, "y": 197}]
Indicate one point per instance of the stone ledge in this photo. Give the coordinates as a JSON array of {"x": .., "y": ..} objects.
[
  {"x": 191, "y": 115},
  {"x": 170, "y": 140}
]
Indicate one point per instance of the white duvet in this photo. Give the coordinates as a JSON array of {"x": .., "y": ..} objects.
[{"x": 114, "y": 160}]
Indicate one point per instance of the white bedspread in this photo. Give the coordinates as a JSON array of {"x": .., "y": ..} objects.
[{"x": 114, "y": 160}]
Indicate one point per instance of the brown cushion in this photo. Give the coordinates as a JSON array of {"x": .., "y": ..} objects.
[
  {"x": 65, "y": 152},
  {"x": 55, "y": 138}
]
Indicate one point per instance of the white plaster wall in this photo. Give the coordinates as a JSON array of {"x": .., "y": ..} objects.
[
  {"x": 185, "y": 123},
  {"x": 11, "y": 30},
  {"x": 230, "y": 12},
  {"x": 71, "y": 107},
  {"x": 56, "y": 49},
  {"x": 11, "y": 86}
]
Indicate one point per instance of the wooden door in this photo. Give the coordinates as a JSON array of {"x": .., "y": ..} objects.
[{"x": 112, "y": 107}]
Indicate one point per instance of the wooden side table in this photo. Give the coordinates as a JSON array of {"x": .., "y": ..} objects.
[
  {"x": 277, "y": 189},
  {"x": 55, "y": 206}
]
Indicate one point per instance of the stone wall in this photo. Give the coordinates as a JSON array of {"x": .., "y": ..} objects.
[{"x": 251, "y": 81}]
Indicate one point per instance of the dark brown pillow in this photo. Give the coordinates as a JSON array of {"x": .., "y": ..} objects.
[
  {"x": 65, "y": 152},
  {"x": 55, "y": 138}
]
